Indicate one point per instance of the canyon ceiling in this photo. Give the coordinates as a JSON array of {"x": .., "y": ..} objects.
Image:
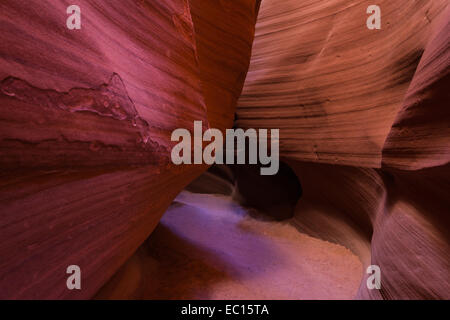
[{"x": 86, "y": 118}]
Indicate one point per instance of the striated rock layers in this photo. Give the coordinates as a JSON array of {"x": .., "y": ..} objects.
[
  {"x": 370, "y": 108},
  {"x": 86, "y": 117}
]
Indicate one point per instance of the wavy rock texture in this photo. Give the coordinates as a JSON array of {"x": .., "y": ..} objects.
[
  {"x": 224, "y": 36},
  {"x": 86, "y": 118},
  {"x": 330, "y": 84},
  {"x": 373, "y": 100},
  {"x": 419, "y": 137},
  {"x": 395, "y": 219}
]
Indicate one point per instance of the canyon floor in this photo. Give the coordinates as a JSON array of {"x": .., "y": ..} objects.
[{"x": 209, "y": 247}]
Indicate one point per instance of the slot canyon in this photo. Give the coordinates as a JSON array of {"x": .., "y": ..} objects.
[{"x": 86, "y": 118}]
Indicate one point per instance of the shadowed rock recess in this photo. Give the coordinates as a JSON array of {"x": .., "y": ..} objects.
[{"x": 86, "y": 118}]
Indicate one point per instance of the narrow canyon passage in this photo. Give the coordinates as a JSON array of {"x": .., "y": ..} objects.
[
  {"x": 208, "y": 247},
  {"x": 94, "y": 204}
]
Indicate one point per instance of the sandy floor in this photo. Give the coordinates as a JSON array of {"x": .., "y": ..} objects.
[{"x": 207, "y": 247}]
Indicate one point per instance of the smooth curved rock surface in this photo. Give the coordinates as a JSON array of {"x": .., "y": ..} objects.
[
  {"x": 224, "y": 32},
  {"x": 419, "y": 137},
  {"x": 372, "y": 100},
  {"x": 394, "y": 219},
  {"x": 330, "y": 84},
  {"x": 86, "y": 118}
]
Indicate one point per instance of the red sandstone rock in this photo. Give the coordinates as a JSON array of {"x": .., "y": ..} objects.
[
  {"x": 334, "y": 88},
  {"x": 86, "y": 118},
  {"x": 419, "y": 137},
  {"x": 330, "y": 84}
]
